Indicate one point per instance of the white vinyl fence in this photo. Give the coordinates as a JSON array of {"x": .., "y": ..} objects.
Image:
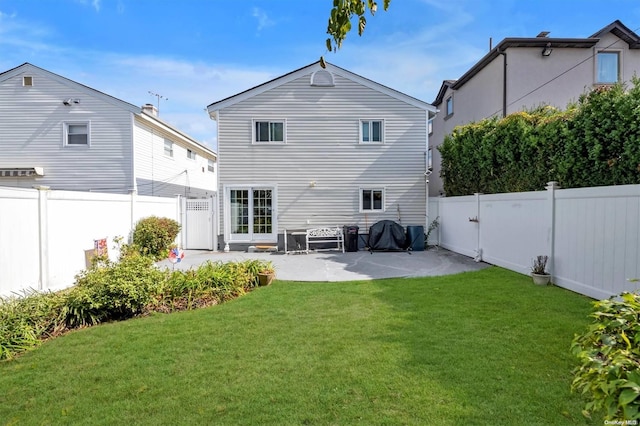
[
  {"x": 592, "y": 235},
  {"x": 44, "y": 233}
]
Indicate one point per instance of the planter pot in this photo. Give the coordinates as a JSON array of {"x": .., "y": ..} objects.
[
  {"x": 541, "y": 279},
  {"x": 266, "y": 278}
]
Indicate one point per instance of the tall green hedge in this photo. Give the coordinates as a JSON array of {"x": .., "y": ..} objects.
[{"x": 594, "y": 142}]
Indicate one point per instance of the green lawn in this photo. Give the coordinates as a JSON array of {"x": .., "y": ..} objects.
[{"x": 477, "y": 348}]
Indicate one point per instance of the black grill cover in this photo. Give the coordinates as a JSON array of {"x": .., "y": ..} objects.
[{"x": 387, "y": 235}]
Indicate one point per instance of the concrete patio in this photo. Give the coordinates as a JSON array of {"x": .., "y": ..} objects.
[{"x": 350, "y": 266}]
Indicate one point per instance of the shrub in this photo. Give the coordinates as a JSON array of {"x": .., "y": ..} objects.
[
  {"x": 115, "y": 290},
  {"x": 609, "y": 354},
  {"x": 119, "y": 290},
  {"x": 26, "y": 321},
  {"x": 210, "y": 283},
  {"x": 155, "y": 235},
  {"x": 594, "y": 142}
]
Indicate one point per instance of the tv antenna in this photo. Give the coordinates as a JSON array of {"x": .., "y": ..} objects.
[{"x": 158, "y": 97}]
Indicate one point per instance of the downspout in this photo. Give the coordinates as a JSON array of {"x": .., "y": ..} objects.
[
  {"x": 427, "y": 172},
  {"x": 504, "y": 83}
]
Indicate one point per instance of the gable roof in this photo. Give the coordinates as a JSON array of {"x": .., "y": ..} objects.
[
  {"x": 213, "y": 108},
  {"x": 30, "y": 68},
  {"x": 617, "y": 28},
  {"x": 443, "y": 89}
]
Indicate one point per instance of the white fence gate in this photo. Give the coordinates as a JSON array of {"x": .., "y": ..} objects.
[
  {"x": 591, "y": 235},
  {"x": 198, "y": 220}
]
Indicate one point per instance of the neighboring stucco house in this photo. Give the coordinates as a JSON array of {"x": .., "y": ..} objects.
[
  {"x": 524, "y": 73},
  {"x": 58, "y": 133},
  {"x": 319, "y": 147}
]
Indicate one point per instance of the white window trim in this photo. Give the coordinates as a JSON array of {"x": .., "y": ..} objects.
[
  {"x": 237, "y": 238},
  {"x": 65, "y": 133},
  {"x": 212, "y": 164},
  {"x": 193, "y": 153},
  {"x": 382, "y": 132},
  {"x": 372, "y": 188},
  {"x": 269, "y": 120},
  {"x": 595, "y": 66},
  {"x": 164, "y": 150}
]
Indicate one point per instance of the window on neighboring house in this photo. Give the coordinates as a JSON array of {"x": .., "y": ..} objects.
[
  {"x": 77, "y": 134},
  {"x": 430, "y": 159},
  {"x": 191, "y": 155},
  {"x": 371, "y": 131},
  {"x": 168, "y": 148},
  {"x": 211, "y": 166},
  {"x": 269, "y": 131},
  {"x": 608, "y": 67},
  {"x": 430, "y": 126},
  {"x": 449, "y": 104},
  {"x": 371, "y": 200}
]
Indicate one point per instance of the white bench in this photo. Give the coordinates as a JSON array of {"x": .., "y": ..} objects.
[{"x": 325, "y": 236}]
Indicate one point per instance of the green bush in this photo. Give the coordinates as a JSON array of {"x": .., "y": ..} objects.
[
  {"x": 155, "y": 235},
  {"x": 210, "y": 283},
  {"x": 119, "y": 290},
  {"x": 112, "y": 290},
  {"x": 593, "y": 143},
  {"x": 26, "y": 321},
  {"x": 609, "y": 354}
]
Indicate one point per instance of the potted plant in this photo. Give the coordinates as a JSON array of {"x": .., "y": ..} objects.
[
  {"x": 267, "y": 274},
  {"x": 539, "y": 270}
]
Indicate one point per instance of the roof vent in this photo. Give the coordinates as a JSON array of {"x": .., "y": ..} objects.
[
  {"x": 322, "y": 78},
  {"x": 543, "y": 34}
]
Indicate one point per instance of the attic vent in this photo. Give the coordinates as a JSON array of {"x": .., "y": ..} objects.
[
  {"x": 27, "y": 80},
  {"x": 322, "y": 78}
]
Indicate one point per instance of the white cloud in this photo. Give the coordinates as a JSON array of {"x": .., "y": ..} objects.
[{"x": 263, "y": 19}]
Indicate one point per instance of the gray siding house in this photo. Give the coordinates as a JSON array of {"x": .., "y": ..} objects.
[
  {"x": 524, "y": 73},
  {"x": 319, "y": 147},
  {"x": 58, "y": 133}
]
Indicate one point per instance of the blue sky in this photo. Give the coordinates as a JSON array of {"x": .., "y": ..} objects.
[{"x": 195, "y": 52}]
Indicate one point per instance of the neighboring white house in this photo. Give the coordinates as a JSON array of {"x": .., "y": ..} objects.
[
  {"x": 319, "y": 147},
  {"x": 58, "y": 133},
  {"x": 524, "y": 73}
]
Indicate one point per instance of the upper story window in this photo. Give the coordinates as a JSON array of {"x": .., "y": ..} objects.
[
  {"x": 27, "y": 80},
  {"x": 77, "y": 133},
  {"x": 371, "y": 200},
  {"x": 191, "y": 155},
  {"x": 607, "y": 67},
  {"x": 430, "y": 126},
  {"x": 269, "y": 131},
  {"x": 168, "y": 148},
  {"x": 371, "y": 131},
  {"x": 211, "y": 166},
  {"x": 449, "y": 105}
]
